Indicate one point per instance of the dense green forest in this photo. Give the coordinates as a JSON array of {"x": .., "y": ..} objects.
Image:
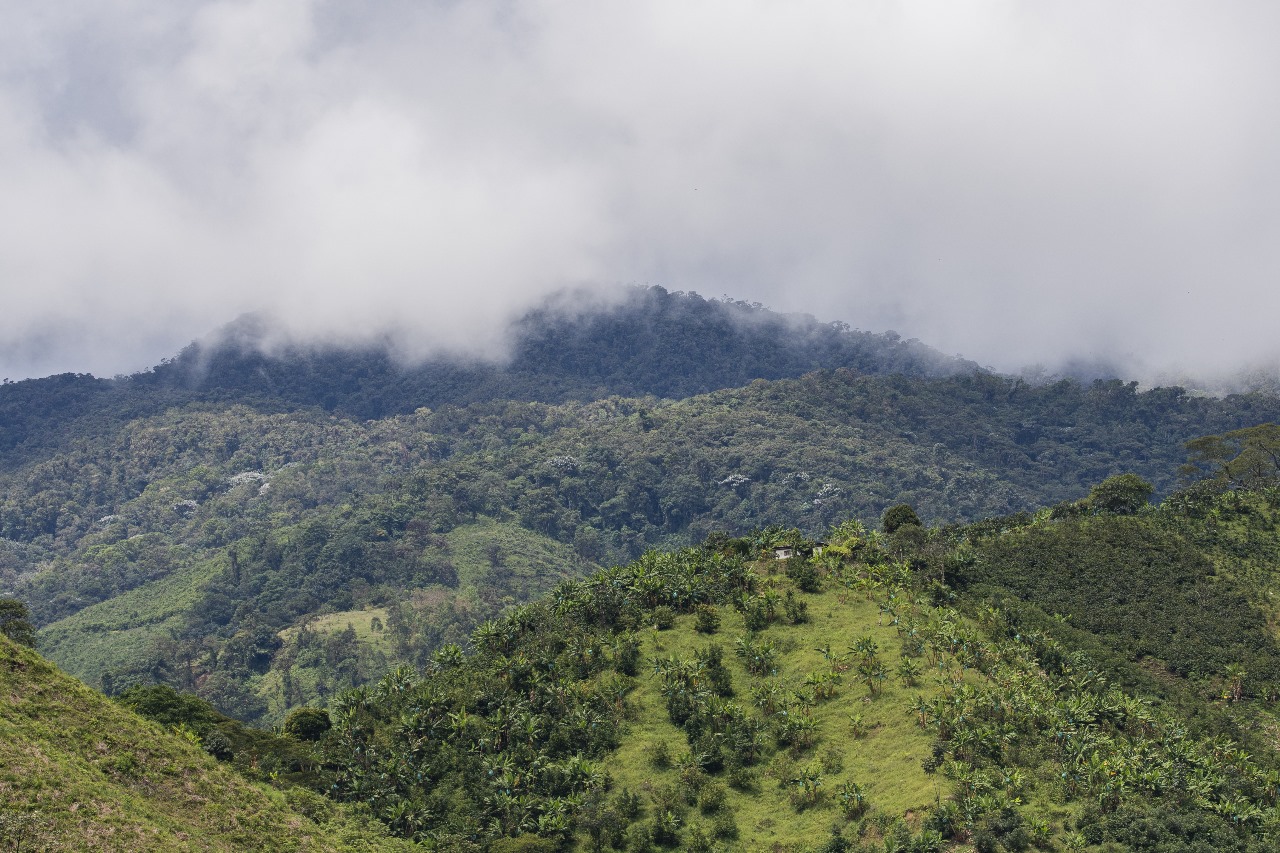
[
  {"x": 178, "y": 546},
  {"x": 209, "y": 535},
  {"x": 537, "y": 605},
  {"x": 645, "y": 341},
  {"x": 1097, "y": 675}
]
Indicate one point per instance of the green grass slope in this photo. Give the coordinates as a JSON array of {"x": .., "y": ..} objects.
[
  {"x": 129, "y": 638},
  {"x": 856, "y": 740},
  {"x": 78, "y": 772},
  {"x": 121, "y": 633}
]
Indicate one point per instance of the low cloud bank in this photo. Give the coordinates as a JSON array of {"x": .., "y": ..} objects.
[{"x": 1043, "y": 184}]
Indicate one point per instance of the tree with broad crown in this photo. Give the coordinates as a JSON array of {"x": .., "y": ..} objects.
[
  {"x": 307, "y": 723},
  {"x": 1123, "y": 494},
  {"x": 15, "y": 622},
  {"x": 1243, "y": 458},
  {"x": 898, "y": 516}
]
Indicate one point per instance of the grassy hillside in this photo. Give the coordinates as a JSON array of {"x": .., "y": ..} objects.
[
  {"x": 78, "y": 772},
  {"x": 124, "y": 633},
  {"x": 858, "y": 737}
]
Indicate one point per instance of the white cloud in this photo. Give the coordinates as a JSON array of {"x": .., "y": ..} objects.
[{"x": 1016, "y": 182}]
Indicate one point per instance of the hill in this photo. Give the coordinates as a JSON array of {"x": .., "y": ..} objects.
[
  {"x": 641, "y": 341},
  {"x": 78, "y": 772},
  {"x": 215, "y": 523},
  {"x": 179, "y": 546},
  {"x": 1098, "y": 675},
  {"x": 843, "y": 698},
  {"x": 638, "y": 342}
]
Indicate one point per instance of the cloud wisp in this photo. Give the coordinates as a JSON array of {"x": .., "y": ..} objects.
[{"x": 1014, "y": 182}]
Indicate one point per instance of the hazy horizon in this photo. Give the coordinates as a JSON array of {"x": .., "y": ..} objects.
[{"x": 1019, "y": 184}]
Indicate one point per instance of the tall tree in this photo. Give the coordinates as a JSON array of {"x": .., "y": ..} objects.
[
  {"x": 15, "y": 622},
  {"x": 1242, "y": 458}
]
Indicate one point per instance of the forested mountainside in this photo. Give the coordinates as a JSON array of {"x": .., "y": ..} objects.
[
  {"x": 648, "y": 342},
  {"x": 179, "y": 546},
  {"x": 1100, "y": 675},
  {"x": 651, "y": 342}
]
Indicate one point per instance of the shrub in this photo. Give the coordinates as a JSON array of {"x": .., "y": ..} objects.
[
  {"x": 626, "y": 660},
  {"x": 699, "y": 841},
  {"x": 216, "y": 744},
  {"x": 797, "y": 611},
  {"x": 711, "y": 798},
  {"x": 724, "y": 826},
  {"x": 1123, "y": 494},
  {"x": 712, "y": 660},
  {"x": 898, "y": 516},
  {"x": 742, "y": 779},
  {"x": 707, "y": 619},
  {"x": 660, "y": 756},
  {"x": 627, "y": 804},
  {"x": 307, "y": 723},
  {"x": 756, "y": 617},
  {"x": 852, "y": 800},
  {"x": 805, "y": 575}
]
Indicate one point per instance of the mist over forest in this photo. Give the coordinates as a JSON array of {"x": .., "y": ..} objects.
[{"x": 1027, "y": 187}]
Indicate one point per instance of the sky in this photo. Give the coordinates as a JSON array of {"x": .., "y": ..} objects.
[{"x": 1021, "y": 183}]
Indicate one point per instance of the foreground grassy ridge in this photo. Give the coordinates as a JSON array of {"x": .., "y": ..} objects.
[{"x": 78, "y": 772}]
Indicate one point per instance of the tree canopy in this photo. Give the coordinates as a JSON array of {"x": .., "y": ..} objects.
[
  {"x": 1243, "y": 458},
  {"x": 15, "y": 622}
]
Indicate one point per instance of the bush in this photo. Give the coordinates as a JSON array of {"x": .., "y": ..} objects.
[
  {"x": 805, "y": 575},
  {"x": 724, "y": 826},
  {"x": 699, "y": 841},
  {"x": 797, "y": 611},
  {"x": 708, "y": 619},
  {"x": 898, "y": 516},
  {"x": 756, "y": 617},
  {"x": 627, "y": 804},
  {"x": 1123, "y": 494},
  {"x": 307, "y": 723},
  {"x": 162, "y": 703},
  {"x": 216, "y": 744},
  {"x": 743, "y": 779},
  {"x": 711, "y": 798},
  {"x": 626, "y": 659},
  {"x": 660, "y": 756}
]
